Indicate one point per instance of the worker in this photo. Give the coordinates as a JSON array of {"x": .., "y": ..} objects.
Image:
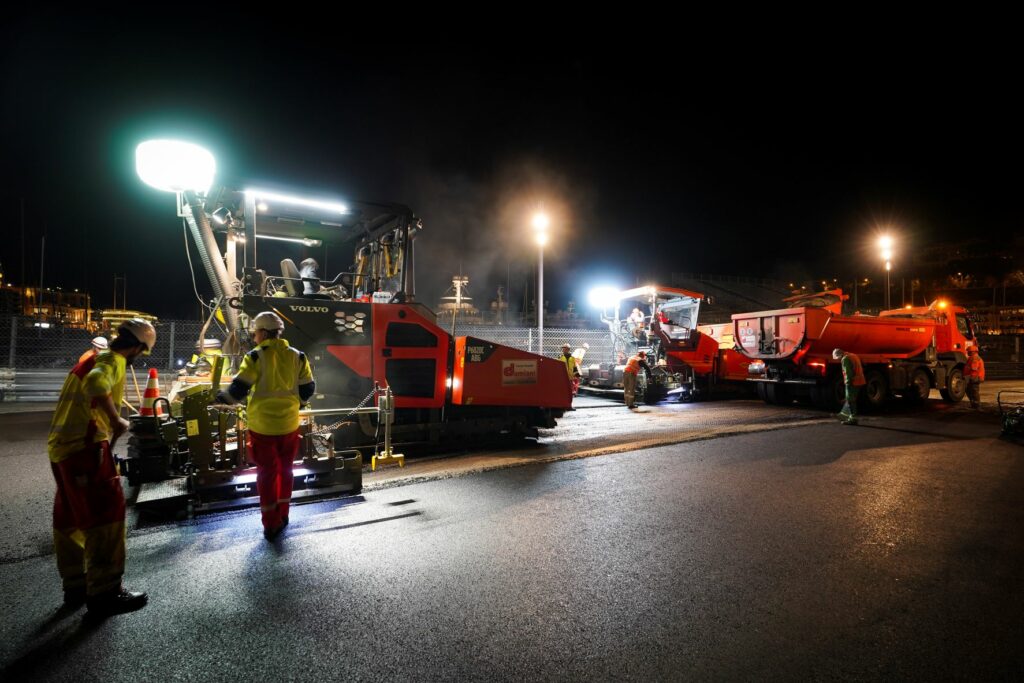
[
  {"x": 636, "y": 323},
  {"x": 579, "y": 354},
  {"x": 629, "y": 373},
  {"x": 572, "y": 366},
  {"x": 853, "y": 379},
  {"x": 206, "y": 353},
  {"x": 280, "y": 381},
  {"x": 96, "y": 347},
  {"x": 89, "y": 507},
  {"x": 974, "y": 374}
]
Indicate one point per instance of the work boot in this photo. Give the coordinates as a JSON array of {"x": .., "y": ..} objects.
[
  {"x": 75, "y": 597},
  {"x": 117, "y": 601},
  {"x": 284, "y": 521},
  {"x": 273, "y": 532}
]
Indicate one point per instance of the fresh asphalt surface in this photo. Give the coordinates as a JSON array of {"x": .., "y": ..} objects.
[{"x": 890, "y": 550}]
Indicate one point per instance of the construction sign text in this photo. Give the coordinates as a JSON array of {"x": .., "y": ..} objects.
[{"x": 518, "y": 372}]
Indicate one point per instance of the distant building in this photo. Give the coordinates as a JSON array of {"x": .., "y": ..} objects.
[
  {"x": 10, "y": 300},
  {"x": 51, "y": 306}
]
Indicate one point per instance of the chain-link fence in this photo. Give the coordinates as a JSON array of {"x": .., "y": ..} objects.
[
  {"x": 528, "y": 339},
  {"x": 34, "y": 358},
  {"x": 26, "y": 343}
]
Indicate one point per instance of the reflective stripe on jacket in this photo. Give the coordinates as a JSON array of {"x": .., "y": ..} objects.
[
  {"x": 975, "y": 367},
  {"x": 853, "y": 372},
  {"x": 274, "y": 372},
  {"x": 77, "y": 420}
]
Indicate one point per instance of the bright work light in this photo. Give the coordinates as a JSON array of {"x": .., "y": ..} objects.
[
  {"x": 175, "y": 166},
  {"x": 603, "y": 297},
  {"x": 263, "y": 196}
]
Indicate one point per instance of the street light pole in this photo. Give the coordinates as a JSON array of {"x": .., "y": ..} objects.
[
  {"x": 540, "y": 234},
  {"x": 540, "y": 299},
  {"x": 885, "y": 244},
  {"x": 888, "y": 267}
]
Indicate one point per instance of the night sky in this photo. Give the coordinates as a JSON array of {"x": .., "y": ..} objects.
[{"x": 761, "y": 158}]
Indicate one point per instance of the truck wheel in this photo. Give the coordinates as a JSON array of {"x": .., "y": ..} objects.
[
  {"x": 820, "y": 397},
  {"x": 956, "y": 387},
  {"x": 919, "y": 388},
  {"x": 875, "y": 391},
  {"x": 778, "y": 394},
  {"x": 830, "y": 395}
]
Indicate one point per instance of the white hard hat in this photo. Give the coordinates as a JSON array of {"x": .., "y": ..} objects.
[
  {"x": 837, "y": 354},
  {"x": 142, "y": 330},
  {"x": 100, "y": 343},
  {"x": 267, "y": 321}
]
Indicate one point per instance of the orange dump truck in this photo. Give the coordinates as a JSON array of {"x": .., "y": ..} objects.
[{"x": 905, "y": 352}]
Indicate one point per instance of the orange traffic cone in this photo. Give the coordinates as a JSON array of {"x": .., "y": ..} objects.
[{"x": 149, "y": 396}]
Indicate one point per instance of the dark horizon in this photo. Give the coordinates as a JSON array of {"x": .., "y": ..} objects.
[{"x": 653, "y": 163}]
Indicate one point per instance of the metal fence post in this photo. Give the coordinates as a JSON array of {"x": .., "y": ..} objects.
[
  {"x": 529, "y": 344},
  {"x": 170, "y": 353},
  {"x": 14, "y": 339}
]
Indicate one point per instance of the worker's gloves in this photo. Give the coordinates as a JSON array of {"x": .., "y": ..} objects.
[{"x": 224, "y": 398}]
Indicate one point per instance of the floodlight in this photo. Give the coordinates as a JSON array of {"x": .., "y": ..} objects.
[{"x": 175, "y": 166}]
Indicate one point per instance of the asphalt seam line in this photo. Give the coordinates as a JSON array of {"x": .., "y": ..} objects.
[{"x": 521, "y": 461}]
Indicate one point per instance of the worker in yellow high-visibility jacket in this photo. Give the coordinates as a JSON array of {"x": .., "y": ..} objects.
[
  {"x": 572, "y": 366},
  {"x": 280, "y": 380},
  {"x": 206, "y": 354},
  {"x": 89, "y": 507}
]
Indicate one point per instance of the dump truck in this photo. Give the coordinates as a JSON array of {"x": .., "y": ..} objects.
[{"x": 905, "y": 352}]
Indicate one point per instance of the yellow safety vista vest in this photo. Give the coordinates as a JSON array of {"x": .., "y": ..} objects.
[
  {"x": 210, "y": 355},
  {"x": 78, "y": 421},
  {"x": 571, "y": 364},
  {"x": 274, "y": 372}
]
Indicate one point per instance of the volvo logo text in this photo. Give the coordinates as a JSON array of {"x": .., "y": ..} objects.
[{"x": 310, "y": 309}]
